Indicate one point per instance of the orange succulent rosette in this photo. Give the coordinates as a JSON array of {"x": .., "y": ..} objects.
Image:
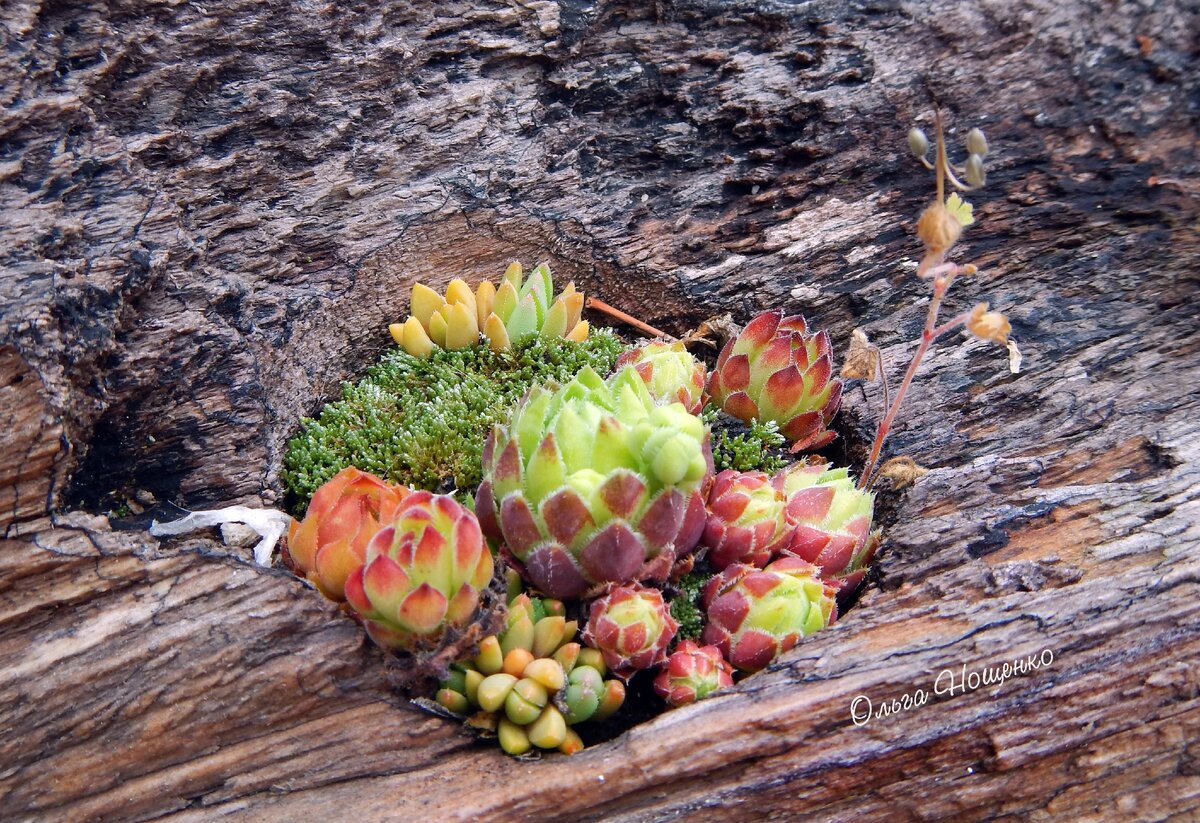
[{"x": 330, "y": 543}]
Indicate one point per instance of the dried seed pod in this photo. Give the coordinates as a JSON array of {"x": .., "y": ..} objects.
[
  {"x": 918, "y": 143},
  {"x": 975, "y": 174},
  {"x": 938, "y": 228},
  {"x": 977, "y": 143}
]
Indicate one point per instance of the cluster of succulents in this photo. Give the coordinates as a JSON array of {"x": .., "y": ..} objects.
[
  {"x": 659, "y": 506},
  {"x": 501, "y": 314},
  {"x": 632, "y": 627},
  {"x": 809, "y": 510},
  {"x": 670, "y": 373},
  {"x": 532, "y": 684},
  {"x": 411, "y": 566},
  {"x": 344, "y": 516},
  {"x": 600, "y": 494},
  {"x": 423, "y": 572}
]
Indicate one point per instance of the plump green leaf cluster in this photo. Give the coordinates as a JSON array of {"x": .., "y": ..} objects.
[
  {"x": 422, "y": 421},
  {"x": 757, "y": 447},
  {"x": 685, "y": 607}
]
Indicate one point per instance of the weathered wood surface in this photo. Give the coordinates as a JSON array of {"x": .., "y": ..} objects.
[{"x": 209, "y": 212}]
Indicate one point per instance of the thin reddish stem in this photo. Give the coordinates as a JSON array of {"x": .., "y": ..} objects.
[
  {"x": 930, "y": 333},
  {"x": 887, "y": 401},
  {"x": 950, "y": 325},
  {"x": 941, "y": 157},
  {"x": 601, "y": 306}
]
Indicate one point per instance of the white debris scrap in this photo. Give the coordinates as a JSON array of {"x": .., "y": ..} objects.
[{"x": 268, "y": 524}]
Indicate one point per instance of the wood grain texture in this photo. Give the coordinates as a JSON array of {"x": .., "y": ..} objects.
[{"x": 210, "y": 212}]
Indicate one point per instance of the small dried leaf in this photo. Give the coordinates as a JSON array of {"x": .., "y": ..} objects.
[
  {"x": 902, "y": 471},
  {"x": 939, "y": 229},
  {"x": 989, "y": 325},
  {"x": 862, "y": 359},
  {"x": 1014, "y": 357},
  {"x": 712, "y": 333}
]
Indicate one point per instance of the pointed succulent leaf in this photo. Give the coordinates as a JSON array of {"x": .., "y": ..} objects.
[
  {"x": 437, "y": 329},
  {"x": 424, "y": 302},
  {"x": 461, "y": 330},
  {"x": 459, "y": 292},
  {"x": 414, "y": 338},
  {"x": 505, "y": 302},
  {"x": 496, "y": 333},
  {"x": 524, "y": 319},
  {"x": 485, "y": 296},
  {"x": 555, "y": 324},
  {"x": 513, "y": 274}
]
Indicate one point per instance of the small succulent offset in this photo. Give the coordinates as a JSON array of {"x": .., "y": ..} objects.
[
  {"x": 754, "y": 615},
  {"x": 939, "y": 228},
  {"x": 671, "y": 373},
  {"x": 424, "y": 573},
  {"x": 775, "y": 370},
  {"x": 829, "y": 521},
  {"x": 692, "y": 673},
  {"x": 745, "y": 519},
  {"x": 502, "y": 315},
  {"x": 531, "y": 684},
  {"x": 632, "y": 627},
  {"x": 595, "y": 483},
  {"x": 330, "y": 543}
]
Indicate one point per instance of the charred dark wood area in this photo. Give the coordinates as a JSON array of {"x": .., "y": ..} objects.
[{"x": 211, "y": 211}]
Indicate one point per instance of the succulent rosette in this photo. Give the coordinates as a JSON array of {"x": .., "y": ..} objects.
[
  {"x": 632, "y": 627},
  {"x": 455, "y": 320},
  {"x": 424, "y": 573},
  {"x": 745, "y": 521},
  {"x": 345, "y": 513},
  {"x": 595, "y": 483},
  {"x": 754, "y": 615},
  {"x": 775, "y": 370},
  {"x": 671, "y": 373},
  {"x": 830, "y": 521},
  {"x": 691, "y": 673}
]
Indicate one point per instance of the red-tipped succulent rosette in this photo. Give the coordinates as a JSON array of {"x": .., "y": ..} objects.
[
  {"x": 632, "y": 627},
  {"x": 745, "y": 519},
  {"x": 330, "y": 543},
  {"x": 691, "y": 673},
  {"x": 830, "y": 521},
  {"x": 775, "y": 370},
  {"x": 670, "y": 372},
  {"x": 424, "y": 573},
  {"x": 755, "y": 615},
  {"x": 594, "y": 483}
]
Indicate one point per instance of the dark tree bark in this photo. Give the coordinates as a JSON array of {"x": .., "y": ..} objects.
[{"x": 211, "y": 212}]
